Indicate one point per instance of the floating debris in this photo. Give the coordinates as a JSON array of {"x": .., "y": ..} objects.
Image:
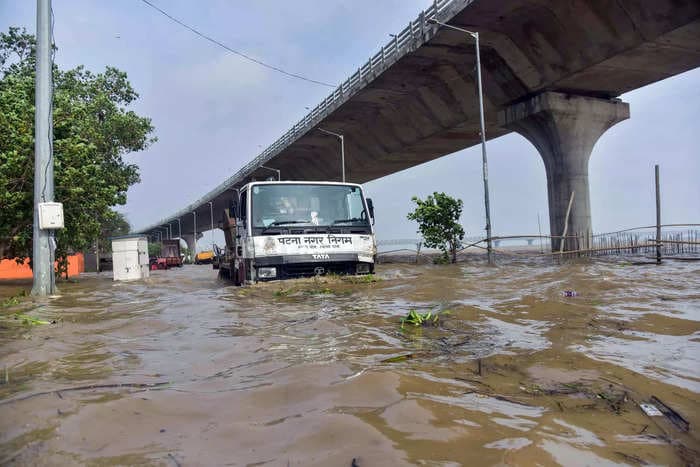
[
  {"x": 398, "y": 358},
  {"x": 650, "y": 410},
  {"x": 30, "y": 321},
  {"x": 673, "y": 416}
]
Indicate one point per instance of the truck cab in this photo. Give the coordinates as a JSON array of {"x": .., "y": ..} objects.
[{"x": 287, "y": 229}]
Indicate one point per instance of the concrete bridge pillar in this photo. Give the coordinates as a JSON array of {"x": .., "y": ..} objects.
[
  {"x": 564, "y": 128},
  {"x": 189, "y": 240}
]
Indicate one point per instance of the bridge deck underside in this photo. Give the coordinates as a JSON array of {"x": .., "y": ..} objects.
[{"x": 425, "y": 105}]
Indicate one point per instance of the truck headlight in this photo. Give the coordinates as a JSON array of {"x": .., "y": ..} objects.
[
  {"x": 267, "y": 273},
  {"x": 362, "y": 268}
]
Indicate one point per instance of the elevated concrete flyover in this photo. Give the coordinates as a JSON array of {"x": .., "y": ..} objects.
[{"x": 552, "y": 71}]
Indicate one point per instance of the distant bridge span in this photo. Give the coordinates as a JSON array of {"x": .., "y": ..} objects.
[{"x": 551, "y": 71}]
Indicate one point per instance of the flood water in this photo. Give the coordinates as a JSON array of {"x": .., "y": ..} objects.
[{"x": 321, "y": 373}]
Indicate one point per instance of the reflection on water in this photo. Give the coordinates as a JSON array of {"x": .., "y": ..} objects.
[{"x": 321, "y": 373}]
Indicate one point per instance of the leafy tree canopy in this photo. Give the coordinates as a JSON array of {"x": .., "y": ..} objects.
[
  {"x": 93, "y": 130},
  {"x": 154, "y": 248},
  {"x": 438, "y": 222},
  {"x": 114, "y": 225}
]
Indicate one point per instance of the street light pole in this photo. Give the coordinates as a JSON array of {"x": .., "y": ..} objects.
[
  {"x": 194, "y": 213},
  {"x": 211, "y": 213},
  {"x": 484, "y": 161},
  {"x": 279, "y": 172},
  {"x": 342, "y": 148},
  {"x": 42, "y": 249}
]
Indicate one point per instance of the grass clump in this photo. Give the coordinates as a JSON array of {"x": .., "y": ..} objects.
[
  {"x": 363, "y": 279},
  {"x": 413, "y": 318},
  {"x": 13, "y": 300}
]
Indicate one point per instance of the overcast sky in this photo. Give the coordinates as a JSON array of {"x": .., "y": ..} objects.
[{"x": 214, "y": 111}]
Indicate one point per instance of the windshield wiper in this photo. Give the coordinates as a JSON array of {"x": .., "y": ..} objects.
[
  {"x": 354, "y": 219},
  {"x": 278, "y": 223}
]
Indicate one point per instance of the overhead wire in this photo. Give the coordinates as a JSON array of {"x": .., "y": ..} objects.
[{"x": 233, "y": 51}]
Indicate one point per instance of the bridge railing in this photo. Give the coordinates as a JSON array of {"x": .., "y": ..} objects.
[{"x": 409, "y": 38}]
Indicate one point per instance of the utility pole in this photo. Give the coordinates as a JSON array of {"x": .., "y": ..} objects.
[{"x": 43, "y": 244}]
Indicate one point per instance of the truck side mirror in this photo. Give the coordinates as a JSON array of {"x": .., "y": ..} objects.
[{"x": 370, "y": 205}]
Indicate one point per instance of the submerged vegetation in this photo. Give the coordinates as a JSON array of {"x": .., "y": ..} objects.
[
  {"x": 13, "y": 300},
  {"x": 330, "y": 284},
  {"x": 413, "y": 318},
  {"x": 419, "y": 319}
]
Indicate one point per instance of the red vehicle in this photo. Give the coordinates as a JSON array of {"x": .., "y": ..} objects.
[
  {"x": 170, "y": 254},
  {"x": 158, "y": 263}
]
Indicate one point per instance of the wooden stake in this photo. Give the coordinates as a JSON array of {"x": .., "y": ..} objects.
[
  {"x": 658, "y": 216},
  {"x": 566, "y": 223}
]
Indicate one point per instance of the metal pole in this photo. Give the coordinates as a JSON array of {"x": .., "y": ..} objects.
[
  {"x": 342, "y": 149},
  {"x": 211, "y": 212},
  {"x": 539, "y": 229},
  {"x": 42, "y": 251},
  {"x": 658, "y": 215},
  {"x": 484, "y": 160},
  {"x": 342, "y": 155},
  {"x": 179, "y": 228},
  {"x": 279, "y": 172},
  {"x": 194, "y": 213},
  {"x": 487, "y": 203}
]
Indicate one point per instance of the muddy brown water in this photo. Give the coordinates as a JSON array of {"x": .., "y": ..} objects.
[{"x": 321, "y": 373}]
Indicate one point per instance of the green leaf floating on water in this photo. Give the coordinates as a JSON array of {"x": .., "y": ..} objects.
[{"x": 29, "y": 321}]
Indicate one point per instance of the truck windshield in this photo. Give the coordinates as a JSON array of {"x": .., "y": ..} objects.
[{"x": 307, "y": 206}]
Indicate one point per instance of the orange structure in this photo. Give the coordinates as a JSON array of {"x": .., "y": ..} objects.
[{"x": 9, "y": 269}]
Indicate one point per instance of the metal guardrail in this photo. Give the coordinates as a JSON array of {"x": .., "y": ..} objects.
[
  {"x": 388, "y": 55},
  {"x": 413, "y": 241}
]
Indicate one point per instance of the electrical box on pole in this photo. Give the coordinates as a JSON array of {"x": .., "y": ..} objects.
[{"x": 51, "y": 216}]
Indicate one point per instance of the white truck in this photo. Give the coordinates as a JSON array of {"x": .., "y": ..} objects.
[{"x": 285, "y": 229}]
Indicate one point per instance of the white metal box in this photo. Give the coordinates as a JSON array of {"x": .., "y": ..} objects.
[
  {"x": 130, "y": 258},
  {"x": 51, "y": 215}
]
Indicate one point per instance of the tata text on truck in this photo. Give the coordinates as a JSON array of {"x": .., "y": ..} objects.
[{"x": 280, "y": 230}]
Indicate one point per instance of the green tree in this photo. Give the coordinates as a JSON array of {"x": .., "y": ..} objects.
[
  {"x": 438, "y": 222},
  {"x": 93, "y": 130},
  {"x": 114, "y": 225},
  {"x": 154, "y": 248}
]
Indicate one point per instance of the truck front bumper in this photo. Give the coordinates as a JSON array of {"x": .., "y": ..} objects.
[{"x": 287, "y": 267}]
